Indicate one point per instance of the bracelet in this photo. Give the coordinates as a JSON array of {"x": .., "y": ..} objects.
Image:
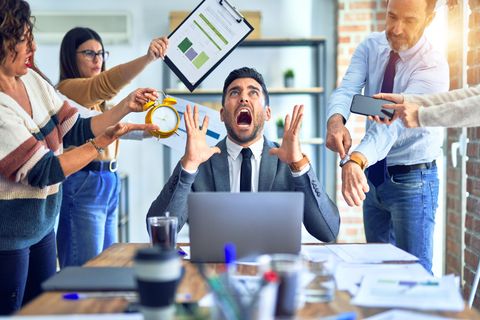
[{"x": 99, "y": 149}]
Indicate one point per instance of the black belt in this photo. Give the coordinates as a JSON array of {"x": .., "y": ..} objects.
[
  {"x": 407, "y": 168},
  {"x": 101, "y": 166}
]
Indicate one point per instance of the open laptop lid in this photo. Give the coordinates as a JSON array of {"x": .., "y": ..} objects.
[{"x": 256, "y": 222}]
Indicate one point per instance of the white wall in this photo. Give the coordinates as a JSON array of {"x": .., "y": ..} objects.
[{"x": 142, "y": 161}]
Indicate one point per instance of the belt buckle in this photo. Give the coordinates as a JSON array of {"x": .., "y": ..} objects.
[{"x": 112, "y": 165}]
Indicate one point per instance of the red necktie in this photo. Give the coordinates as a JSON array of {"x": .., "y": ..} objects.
[{"x": 377, "y": 173}]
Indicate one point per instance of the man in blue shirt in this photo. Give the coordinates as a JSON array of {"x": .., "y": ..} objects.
[{"x": 400, "y": 186}]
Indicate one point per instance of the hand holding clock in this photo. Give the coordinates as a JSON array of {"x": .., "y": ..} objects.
[{"x": 197, "y": 150}]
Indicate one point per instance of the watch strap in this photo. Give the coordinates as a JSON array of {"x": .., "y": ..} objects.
[
  {"x": 297, "y": 166},
  {"x": 358, "y": 160}
]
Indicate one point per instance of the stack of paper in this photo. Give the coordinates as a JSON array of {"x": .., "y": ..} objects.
[
  {"x": 371, "y": 253},
  {"x": 425, "y": 293}
]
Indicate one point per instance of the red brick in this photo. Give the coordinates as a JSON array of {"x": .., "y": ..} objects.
[{"x": 363, "y": 5}]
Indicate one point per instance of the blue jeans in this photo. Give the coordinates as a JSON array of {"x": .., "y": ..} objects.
[
  {"x": 88, "y": 216},
  {"x": 22, "y": 271},
  {"x": 401, "y": 211}
]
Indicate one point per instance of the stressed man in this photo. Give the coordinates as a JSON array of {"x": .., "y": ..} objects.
[
  {"x": 245, "y": 108},
  {"x": 400, "y": 188}
]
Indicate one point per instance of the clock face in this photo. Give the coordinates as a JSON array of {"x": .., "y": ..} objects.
[{"x": 165, "y": 118}]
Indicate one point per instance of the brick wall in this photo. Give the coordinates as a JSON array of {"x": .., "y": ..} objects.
[
  {"x": 454, "y": 238},
  {"x": 356, "y": 19},
  {"x": 472, "y": 223}
]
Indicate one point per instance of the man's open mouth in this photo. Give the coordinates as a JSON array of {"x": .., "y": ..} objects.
[{"x": 244, "y": 117}]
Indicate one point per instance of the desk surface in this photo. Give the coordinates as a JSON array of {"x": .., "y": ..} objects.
[{"x": 121, "y": 255}]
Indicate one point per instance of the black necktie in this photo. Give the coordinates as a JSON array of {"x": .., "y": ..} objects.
[
  {"x": 378, "y": 172},
  {"x": 246, "y": 170}
]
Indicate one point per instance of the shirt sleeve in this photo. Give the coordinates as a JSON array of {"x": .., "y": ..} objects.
[
  {"x": 380, "y": 138},
  {"x": 352, "y": 83}
]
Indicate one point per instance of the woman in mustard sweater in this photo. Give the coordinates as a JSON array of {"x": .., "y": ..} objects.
[{"x": 88, "y": 216}]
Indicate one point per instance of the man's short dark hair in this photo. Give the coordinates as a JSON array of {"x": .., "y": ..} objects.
[
  {"x": 245, "y": 72},
  {"x": 430, "y": 6}
]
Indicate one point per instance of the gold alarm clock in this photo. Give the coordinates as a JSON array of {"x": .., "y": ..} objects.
[{"x": 164, "y": 115}]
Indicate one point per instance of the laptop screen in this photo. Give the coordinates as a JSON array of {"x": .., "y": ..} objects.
[{"x": 256, "y": 222}]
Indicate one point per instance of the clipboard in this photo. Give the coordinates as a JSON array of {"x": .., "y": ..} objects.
[{"x": 204, "y": 39}]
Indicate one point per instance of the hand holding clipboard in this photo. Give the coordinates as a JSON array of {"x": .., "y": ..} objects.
[{"x": 204, "y": 39}]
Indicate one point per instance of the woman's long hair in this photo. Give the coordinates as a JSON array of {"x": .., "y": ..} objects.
[{"x": 68, "y": 51}]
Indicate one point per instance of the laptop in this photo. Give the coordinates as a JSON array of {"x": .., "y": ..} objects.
[{"x": 256, "y": 222}]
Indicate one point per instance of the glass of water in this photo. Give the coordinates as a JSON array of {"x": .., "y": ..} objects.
[{"x": 322, "y": 287}]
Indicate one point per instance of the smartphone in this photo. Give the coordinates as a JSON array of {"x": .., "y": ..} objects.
[{"x": 369, "y": 106}]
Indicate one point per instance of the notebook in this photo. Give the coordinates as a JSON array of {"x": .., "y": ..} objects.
[
  {"x": 256, "y": 222},
  {"x": 92, "y": 279}
]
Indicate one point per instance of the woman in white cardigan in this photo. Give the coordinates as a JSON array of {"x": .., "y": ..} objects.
[{"x": 457, "y": 108}]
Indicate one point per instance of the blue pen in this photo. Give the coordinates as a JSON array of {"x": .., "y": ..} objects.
[
  {"x": 230, "y": 256},
  {"x": 181, "y": 252},
  {"x": 342, "y": 316},
  {"x": 99, "y": 295}
]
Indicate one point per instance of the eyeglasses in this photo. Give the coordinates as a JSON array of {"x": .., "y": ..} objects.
[{"x": 90, "y": 54}]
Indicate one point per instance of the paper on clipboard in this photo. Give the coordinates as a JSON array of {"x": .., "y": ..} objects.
[
  {"x": 216, "y": 128},
  {"x": 206, "y": 37}
]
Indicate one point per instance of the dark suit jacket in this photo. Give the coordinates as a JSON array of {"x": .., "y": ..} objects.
[{"x": 320, "y": 217}]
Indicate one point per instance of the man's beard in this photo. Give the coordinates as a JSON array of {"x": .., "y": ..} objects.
[{"x": 231, "y": 133}]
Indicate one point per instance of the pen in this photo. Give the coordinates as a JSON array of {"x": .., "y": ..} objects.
[
  {"x": 342, "y": 316},
  {"x": 181, "y": 252},
  {"x": 99, "y": 295},
  {"x": 230, "y": 257}
]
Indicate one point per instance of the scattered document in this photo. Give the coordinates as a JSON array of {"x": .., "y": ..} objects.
[
  {"x": 422, "y": 293},
  {"x": 315, "y": 252},
  {"x": 371, "y": 253},
  {"x": 349, "y": 276},
  {"x": 402, "y": 315},
  {"x": 103, "y": 316},
  {"x": 216, "y": 128}
]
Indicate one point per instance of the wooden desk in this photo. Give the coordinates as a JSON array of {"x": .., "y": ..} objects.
[{"x": 122, "y": 254}]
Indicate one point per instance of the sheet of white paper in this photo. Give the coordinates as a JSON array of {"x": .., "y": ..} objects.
[
  {"x": 403, "y": 314},
  {"x": 370, "y": 253},
  {"x": 103, "y": 316},
  {"x": 314, "y": 252},
  {"x": 349, "y": 276},
  {"x": 216, "y": 128},
  {"x": 422, "y": 293}
]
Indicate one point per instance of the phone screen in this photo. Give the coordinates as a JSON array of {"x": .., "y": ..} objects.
[{"x": 369, "y": 106}]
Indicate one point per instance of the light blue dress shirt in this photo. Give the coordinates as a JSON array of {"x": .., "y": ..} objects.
[{"x": 420, "y": 69}]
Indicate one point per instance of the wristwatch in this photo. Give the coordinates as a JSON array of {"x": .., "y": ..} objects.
[
  {"x": 299, "y": 165},
  {"x": 354, "y": 157}
]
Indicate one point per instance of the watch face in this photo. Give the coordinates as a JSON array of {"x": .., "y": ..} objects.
[{"x": 165, "y": 118}]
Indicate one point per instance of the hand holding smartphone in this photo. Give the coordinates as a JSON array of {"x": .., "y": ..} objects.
[{"x": 369, "y": 106}]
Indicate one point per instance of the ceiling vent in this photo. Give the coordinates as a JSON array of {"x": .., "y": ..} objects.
[{"x": 113, "y": 27}]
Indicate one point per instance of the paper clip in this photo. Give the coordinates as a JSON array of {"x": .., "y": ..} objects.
[{"x": 240, "y": 16}]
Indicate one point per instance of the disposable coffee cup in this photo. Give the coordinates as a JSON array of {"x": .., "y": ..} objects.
[
  {"x": 157, "y": 273},
  {"x": 163, "y": 231}
]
